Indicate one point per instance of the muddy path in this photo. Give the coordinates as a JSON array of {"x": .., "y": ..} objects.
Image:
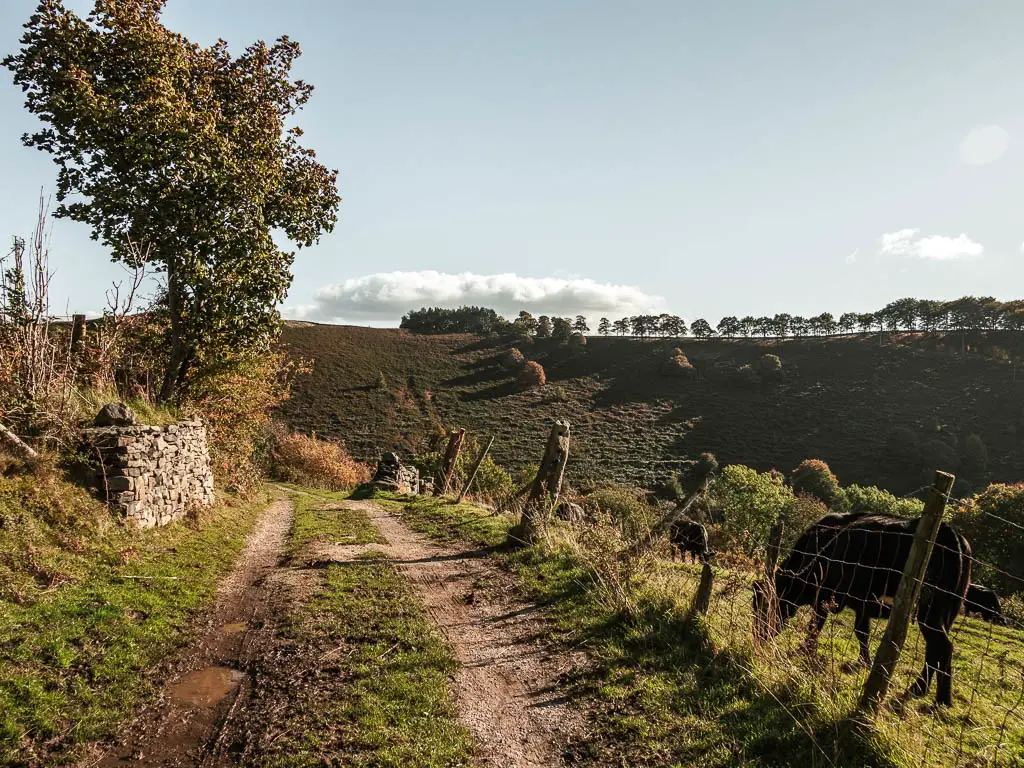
[
  {"x": 209, "y": 686},
  {"x": 507, "y": 687}
]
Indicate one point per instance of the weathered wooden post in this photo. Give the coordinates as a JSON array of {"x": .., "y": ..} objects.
[
  {"x": 451, "y": 455},
  {"x": 907, "y": 594},
  {"x": 774, "y": 547},
  {"x": 78, "y": 335},
  {"x": 702, "y": 600},
  {"x": 769, "y": 616},
  {"x": 547, "y": 485},
  {"x": 476, "y": 468}
]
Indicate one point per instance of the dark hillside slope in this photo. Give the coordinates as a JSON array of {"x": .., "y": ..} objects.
[{"x": 878, "y": 414}]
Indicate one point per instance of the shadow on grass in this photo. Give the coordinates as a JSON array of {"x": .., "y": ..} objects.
[
  {"x": 491, "y": 393},
  {"x": 687, "y": 703}
]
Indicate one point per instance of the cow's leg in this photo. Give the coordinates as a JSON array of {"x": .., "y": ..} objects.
[
  {"x": 818, "y": 617},
  {"x": 862, "y": 629},
  {"x": 938, "y": 653}
]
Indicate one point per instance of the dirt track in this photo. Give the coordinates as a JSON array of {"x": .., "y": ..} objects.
[
  {"x": 211, "y": 685},
  {"x": 506, "y": 687}
]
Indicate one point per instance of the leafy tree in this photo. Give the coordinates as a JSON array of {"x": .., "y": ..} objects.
[
  {"x": 814, "y": 477},
  {"x": 702, "y": 329},
  {"x": 622, "y": 326},
  {"x": 847, "y": 322},
  {"x": 580, "y": 325},
  {"x": 975, "y": 463},
  {"x": 747, "y": 504},
  {"x": 866, "y": 321},
  {"x": 749, "y": 325},
  {"x": 763, "y": 326},
  {"x": 179, "y": 155},
  {"x": 561, "y": 329},
  {"x": 992, "y": 521},
  {"x": 729, "y": 326},
  {"x": 462, "y": 320},
  {"x": 604, "y": 327},
  {"x": 543, "y": 327},
  {"x": 781, "y": 324},
  {"x": 799, "y": 325},
  {"x": 526, "y": 323},
  {"x": 672, "y": 325},
  {"x": 857, "y": 498}
]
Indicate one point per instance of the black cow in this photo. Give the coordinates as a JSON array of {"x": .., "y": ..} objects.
[
  {"x": 985, "y": 603},
  {"x": 855, "y": 560},
  {"x": 687, "y": 536}
]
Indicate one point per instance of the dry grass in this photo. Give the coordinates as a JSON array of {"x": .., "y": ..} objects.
[{"x": 309, "y": 461}]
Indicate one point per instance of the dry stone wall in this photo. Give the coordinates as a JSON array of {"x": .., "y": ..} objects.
[{"x": 153, "y": 475}]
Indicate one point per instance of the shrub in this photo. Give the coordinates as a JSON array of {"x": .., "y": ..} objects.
[
  {"x": 532, "y": 376},
  {"x": 975, "y": 457},
  {"x": 937, "y": 454},
  {"x": 492, "y": 482},
  {"x": 798, "y": 516},
  {"x": 306, "y": 460},
  {"x": 512, "y": 358},
  {"x": 557, "y": 395},
  {"x": 858, "y": 498},
  {"x": 747, "y": 503},
  {"x": 624, "y": 506},
  {"x": 678, "y": 365},
  {"x": 577, "y": 340},
  {"x": 235, "y": 398},
  {"x": 769, "y": 365},
  {"x": 813, "y": 476},
  {"x": 992, "y": 522},
  {"x": 382, "y": 382}
]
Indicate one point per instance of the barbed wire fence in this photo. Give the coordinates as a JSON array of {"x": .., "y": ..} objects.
[{"x": 813, "y": 664}]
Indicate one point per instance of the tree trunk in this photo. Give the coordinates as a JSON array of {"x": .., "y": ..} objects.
[
  {"x": 20, "y": 446},
  {"x": 177, "y": 361}
]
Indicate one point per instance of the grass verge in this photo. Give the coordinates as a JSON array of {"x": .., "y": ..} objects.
[
  {"x": 363, "y": 678},
  {"x": 88, "y": 607},
  {"x": 668, "y": 688}
]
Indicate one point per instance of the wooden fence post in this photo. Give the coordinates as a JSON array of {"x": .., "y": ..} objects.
[
  {"x": 451, "y": 455},
  {"x": 476, "y": 468},
  {"x": 78, "y": 335},
  {"x": 907, "y": 594},
  {"x": 702, "y": 600},
  {"x": 547, "y": 485}
]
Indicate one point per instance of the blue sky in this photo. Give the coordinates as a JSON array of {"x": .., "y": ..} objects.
[{"x": 614, "y": 158}]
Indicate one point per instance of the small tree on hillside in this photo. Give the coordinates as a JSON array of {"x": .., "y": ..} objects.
[
  {"x": 532, "y": 376},
  {"x": 729, "y": 326},
  {"x": 526, "y": 323},
  {"x": 604, "y": 327},
  {"x": 813, "y": 476},
  {"x": 181, "y": 153},
  {"x": 580, "y": 325},
  {"x": 621, "y": 327},
  {"x": 561, "y": 329},
  {"x": 702, "y": 329},
  {"x": 847, "y": 322},
  {"x": 543, "y": 327}
]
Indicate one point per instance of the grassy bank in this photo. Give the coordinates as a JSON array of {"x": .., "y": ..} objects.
[
  {"x": 366, "y": 673},
  {"x": 87, "y": 608},
  {"x": 667, "y": 688}
]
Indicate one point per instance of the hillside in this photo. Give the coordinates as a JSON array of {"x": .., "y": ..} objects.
[{"x": 883, "y": 414}]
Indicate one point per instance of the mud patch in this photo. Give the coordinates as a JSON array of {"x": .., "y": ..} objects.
[
  {"x": 206, "y": 687},
  {"x": 234, "y": 628}
]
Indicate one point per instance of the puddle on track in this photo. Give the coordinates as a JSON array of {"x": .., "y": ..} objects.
[{"x": 206, "y": 687}]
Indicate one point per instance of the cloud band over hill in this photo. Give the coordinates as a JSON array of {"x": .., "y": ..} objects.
[{"x": 386, "y": 296}]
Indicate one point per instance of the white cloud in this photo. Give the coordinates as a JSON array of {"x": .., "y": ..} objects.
[
  {"x": 906, "y": 242},
  {"x": 852, "y": 258},
  {"x": 984, "y": 144},
  {"x": 388, "y": 295}
]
